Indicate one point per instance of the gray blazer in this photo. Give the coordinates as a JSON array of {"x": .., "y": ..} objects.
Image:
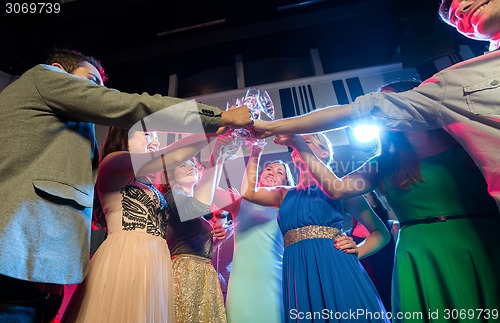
[{"x": 47, "y": 166}]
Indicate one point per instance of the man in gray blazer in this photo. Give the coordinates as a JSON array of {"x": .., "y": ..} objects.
[{"x": 47, "y": 170}]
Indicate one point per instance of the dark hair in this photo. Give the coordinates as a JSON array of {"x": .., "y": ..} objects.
[
  {"x": 379, "y": 207},
  {"x": 444, "y": 10},
  {"x": 399, "y": 86},
  {"x": 116, "y": 140},
  {"x": 70, "y": 60},
  {"x": 399, "y": 161},
  {"x": 165, "y": 184}
]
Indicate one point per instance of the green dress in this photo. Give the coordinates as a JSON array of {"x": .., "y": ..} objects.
[
  {"x": 447, "y": 271},
  {"x": 254, "y": 292}
]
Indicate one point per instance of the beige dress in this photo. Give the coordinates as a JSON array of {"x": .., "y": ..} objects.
[{"x": 130, "y": 275}]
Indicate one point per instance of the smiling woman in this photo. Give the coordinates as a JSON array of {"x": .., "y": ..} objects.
[
  {"x": 191, "y": 239},
  {"x": 133, "y": 262},
  {"x": 321, "y": 272},
  {"x": 254, "y": 291}
]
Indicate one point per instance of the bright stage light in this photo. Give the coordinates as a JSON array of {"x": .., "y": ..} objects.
[{"x": 365, "y": 133}]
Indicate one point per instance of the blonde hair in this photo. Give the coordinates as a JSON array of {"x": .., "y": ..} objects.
[
  {"x": 324, "y": 143},
  {"x": 289, "y": 177}
]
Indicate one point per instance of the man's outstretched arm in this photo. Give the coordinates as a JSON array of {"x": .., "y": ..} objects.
[{"x": 319, "y": 120}]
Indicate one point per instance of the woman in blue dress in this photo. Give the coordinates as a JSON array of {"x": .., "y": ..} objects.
[{"x": 320, "y": 282}]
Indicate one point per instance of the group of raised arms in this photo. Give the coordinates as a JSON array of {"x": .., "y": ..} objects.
[
  {"x": 154, "y": 264},
  {"x": 438, "y": 170},
  {"x": 292, "y": 261}
]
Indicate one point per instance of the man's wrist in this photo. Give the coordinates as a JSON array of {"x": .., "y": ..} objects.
[
  {"x": 273, "y": 128},
  {"x": 224, "y": 122}
]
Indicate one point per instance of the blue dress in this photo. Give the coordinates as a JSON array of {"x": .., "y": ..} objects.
[{"x": 321, "y": 283}]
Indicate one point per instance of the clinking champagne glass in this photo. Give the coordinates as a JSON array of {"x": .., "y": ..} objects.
[
  {"x": 229, "y": 151},
  {"x": 266, "y": 104},
  {"x": 251, "y": 100},
  {"x": 234, "y": 102},
  {"x": 256, "y": 101}
]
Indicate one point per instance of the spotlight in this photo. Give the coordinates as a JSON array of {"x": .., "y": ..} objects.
[{"x": 365, "y": 133}]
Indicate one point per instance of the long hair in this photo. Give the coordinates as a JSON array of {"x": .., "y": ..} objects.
[
  {"x": 70, "y": 60},
  {"x": 399, "y": 161},
  {"x": 289, "y": 177},
  {"x": 168, "y": 178},
  {"x": 116, "y": 140},
  {"x": 325, "y": 144}
]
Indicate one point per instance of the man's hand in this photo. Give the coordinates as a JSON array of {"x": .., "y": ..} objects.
[
  {"x": 262, "y": 129},
  {"x": 239, "y": 117}
]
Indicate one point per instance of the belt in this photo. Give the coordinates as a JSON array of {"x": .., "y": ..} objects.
[
  {"x": 310, "y": 232},
  {"x": 190, "y": 256},
  {"x": 443, "y": 218}
]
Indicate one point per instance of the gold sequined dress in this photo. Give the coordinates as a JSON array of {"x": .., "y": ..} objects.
[
  {"x": 130, "y": 276},
  {"x": 198, "y": 295}
]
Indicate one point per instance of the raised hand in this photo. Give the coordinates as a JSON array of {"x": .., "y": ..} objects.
[
  {"x": 255, "y": 142},
  {"x": 287, "y": 140},
  {"x": 239, "y": 117},
  {"x": 262, "y": 129},
  {"x": 219, "y": 232}
]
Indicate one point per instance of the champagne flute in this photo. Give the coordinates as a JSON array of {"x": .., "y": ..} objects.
[
  {"x": 251, "y": 100},
  {"x": 266, "y": 104},
  {"x": 229, "y": 151},
  {"x": 234, "y": 102},
  {"x": 259, "y": 142}
]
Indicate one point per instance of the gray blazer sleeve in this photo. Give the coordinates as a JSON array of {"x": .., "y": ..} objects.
[{"x": 78, "y": 99}]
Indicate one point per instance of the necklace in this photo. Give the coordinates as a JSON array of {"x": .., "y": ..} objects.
[{"x": 160, "y": 198}]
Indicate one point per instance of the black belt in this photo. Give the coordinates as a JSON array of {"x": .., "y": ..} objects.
[{"x": 443, "y": 218}]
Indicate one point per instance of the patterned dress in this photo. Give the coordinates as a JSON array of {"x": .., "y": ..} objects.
[
  {"x": 321, "y": 283},
  {"x": 130, "y": 275}
]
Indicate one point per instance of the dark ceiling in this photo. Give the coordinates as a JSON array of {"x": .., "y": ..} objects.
[{"x": 142, "y": 43}]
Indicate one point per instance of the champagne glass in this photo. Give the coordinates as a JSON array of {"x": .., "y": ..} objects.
[
  {"x": 266, "y": 104},
  {"x": 229, "y": 151},
  {"x": 256, "y": 101},
  {"x": 234, "y": 102},
  {"x": 259, "y": 142},
  {"x": 251, "y": 100}
]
